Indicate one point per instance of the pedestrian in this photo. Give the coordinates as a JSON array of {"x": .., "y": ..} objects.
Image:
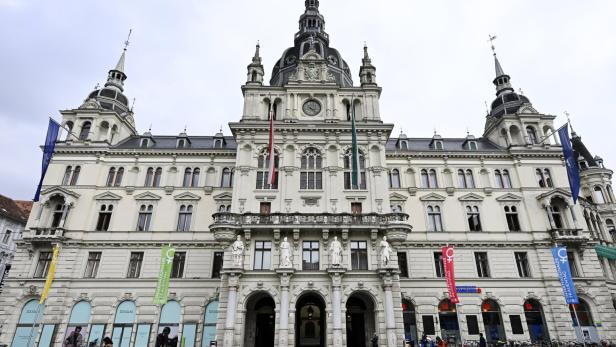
[
  {"x": 440, "y": 342},
  {"x": 107, "y": 342},
  {"x": 375, "y": 340},
  {"x": 162, "y": 340},
  {"x": 482, "y": 341},
  {"x": 74, "y": 339},
  {"x": 424, "y": 341}
]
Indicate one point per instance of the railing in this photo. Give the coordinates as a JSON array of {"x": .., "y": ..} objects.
[
  {"x": 225, "y": 218},
  {"x": 569, "y": 235},
  {"x": 46, "y": 233}
]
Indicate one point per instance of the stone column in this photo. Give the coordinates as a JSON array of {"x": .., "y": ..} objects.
[
  {"x": 336, "y": 274},
  {"x": 283, "y": 330},
  {"x": 390, "y": 320},
  {"x": 233, "y": 284}
]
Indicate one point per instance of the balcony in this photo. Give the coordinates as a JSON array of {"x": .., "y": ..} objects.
[
  {"x": 41, "y": 235},
  {"x": 570, "y": 237},
  {"x": 395, "y": 225}
]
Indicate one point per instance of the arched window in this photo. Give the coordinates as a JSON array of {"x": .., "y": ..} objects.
[
  {"x": 425, "y": 182},
  {"x": 169, "y": 321},
  {"x": 432, "y": 178},
  {"x": 185, "y": 217},
  {"x": 470, "y": 179},
  {"x": 599, "y": 196},
  {"x": 532, "y": 135},
  {"x": 59, "y": 212},
  {"x": 544, "y": 178},
  {"x": 611, "y": 229},
  {"x": 394, "y": 178},
  {"x": 209, "y": 323},
  {"x": 535, "y": 321},
  {"x": 218, "y": 143},
  {"x": 539, "y": 178},
  {"x": 498, "y": 177},
  {"x": 492, "y": 321},
  {"x": 583, "y": 313},
  {"x": 149, "y": 177},
  {"x": 181, "y": 143},
  {"x": 111, "y": 177},
  {"x": 513, "y": 222},
  {"x": 348, "y": 170},
  {"x": 461, "y": 179},
  {"x": 104, "y": 217},
  {"x": 69, "y": 131},
  {"x": 187, "y": 177},
  {"x": 472, "y": 145},
  {"x": 123, "y": 324},
  {"x": 28, "y": 324},
  {"x": 227, "y": 178},
  {"x": 311, "y": 175},
  {"x": 472, "y": 216},
  {"x": 195, "y": 177},
  {"x": 435, "y": 222},
  {"x": 263, "y": 165},
  {"x": 157, "y": 176},
  {"x": 67, "y": 176},
  {"x": 404, "y": 145},
  {"x": 85, "y": 131},
  {"x": 556, "y": 210},
  {"x": 78, "y": 323},
  {"x": 75, "y": 175},
  {"x": 119, "y": 176},
  {"x": 145, "y": 217},
  {"x": 144, "y": 143},
  {"x": 610, "y": 193},
  {"x": 409, "y": 319},
  {"x": 506, "y": 179},
  {"x": 548, "y": 178}
]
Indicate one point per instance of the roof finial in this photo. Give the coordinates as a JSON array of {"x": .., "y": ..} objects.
[
  {"x": 492, "y": 38},
  {"x": 127, "y": 42},
  {"x": 150, "y": 128},
  {"x": 185, "y": 126},
  {"x": 133, "y": 105},
  {"x": 467, "y": 132},
  {"x": 569, "y": 121},
  {"x": 98, "y": 85}
]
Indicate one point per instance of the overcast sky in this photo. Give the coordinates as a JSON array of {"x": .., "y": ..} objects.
[{"x": 187, "y": 61}]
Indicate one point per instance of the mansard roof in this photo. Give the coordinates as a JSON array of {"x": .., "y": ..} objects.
[
  {"x": 449, "y": 145},
  {"x": 170, "y": 142}
]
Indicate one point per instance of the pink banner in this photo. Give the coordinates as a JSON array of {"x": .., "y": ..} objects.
[{"x": 449, "y": 273}]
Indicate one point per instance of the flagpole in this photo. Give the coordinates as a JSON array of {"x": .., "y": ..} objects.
[{"x": 552, "y": 133}]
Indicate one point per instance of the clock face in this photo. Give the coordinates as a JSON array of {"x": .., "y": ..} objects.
[{"x": 312, "y": 107}]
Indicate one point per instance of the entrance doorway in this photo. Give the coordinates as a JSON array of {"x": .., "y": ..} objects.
[
  {"x": 310, "y": 330},
  {"x": 260, "y": 321},
  {"x": 359, "y": 320},
  {"x": 535, "y": 321},
  {"x": 448, "y": 318},
  {"x": 492, "y": 321}
]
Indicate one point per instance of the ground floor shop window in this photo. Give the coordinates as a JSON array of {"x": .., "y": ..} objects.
[
  {"x": 189, "y": 333},
  {"x": 142, "y": 338},
  {"x": 97, "y": 332},
  {"x": 48, "y": 335},
  {"x": 209, "y": 323},
  {"x": 410, "y": 320},
  {"x": 77, "y": 330},
  {"x": 492, "y": 321},
  {"x": 27, "y": 325},
  {"x": 169, "y": 325},
  {"x": 123, "y": 324}
]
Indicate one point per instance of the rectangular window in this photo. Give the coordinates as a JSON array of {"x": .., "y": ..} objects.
[
  {"x": 134, "y": 265},
  {"x": 428, "y": 324},
  {"x": 472, "y": 324},
  {"x": 177, "y": 268},
  {"x": 42, "y": 266},
  {"x": 217, "y": 263},
  {"x": 359, "y": 255},
  {"x": 104, "y": 218},
  {"x": 263, "y": 255},
  {"x": 481, "y": 260},
  {"x": 7, "y": 237},
  {"x": 356, "y": 207},
  {"x": 575, "y": 272},
  {"x": 310, "y": 255},
  {"x": 94, "y": 261},
  {"x": 513, "y": 222},
  {"x": 516, "y": 324},
  {"x": 265, "y": 208},
  {"x": 403, "y": 265},
  {"x": 438, "y": 264},
  {"x": 521, "y": 260}
]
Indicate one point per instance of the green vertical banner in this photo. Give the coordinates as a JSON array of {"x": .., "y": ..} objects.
[{"x": 166, "y": 264}]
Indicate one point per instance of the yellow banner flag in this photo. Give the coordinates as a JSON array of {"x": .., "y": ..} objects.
[{"x": 50, "y": 274}]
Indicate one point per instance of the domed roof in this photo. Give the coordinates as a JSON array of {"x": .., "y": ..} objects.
[
  {"x": 507, "y": 103},
  {"x": 110, "y": 99}
]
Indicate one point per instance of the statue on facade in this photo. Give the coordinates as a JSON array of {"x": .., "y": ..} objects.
[
  {"x": 237, "y": 248},
  {"x": 285, "y": 254},
  {"x": 335, "y": 250},
  {"x": 385, "y": 251}
]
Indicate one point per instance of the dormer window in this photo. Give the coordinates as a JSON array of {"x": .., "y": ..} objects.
[
  {"x": 472, "y": 145},
  {"x": 438, "y": 145},
  {"x": 218, "y": 143},
  {"x": 145, "y": 143},
  {"x": 403, "y": 145},
  {"x": 181, "y": 143}
]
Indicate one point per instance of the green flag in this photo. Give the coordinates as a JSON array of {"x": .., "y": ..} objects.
[
  {"x": 166, "y": 264},
  {"x": 355, "y": 174}
]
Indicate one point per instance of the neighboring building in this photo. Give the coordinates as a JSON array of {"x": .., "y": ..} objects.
[
  {"x": 13, "y": 218},
  {"x": 112, "y": 198}
]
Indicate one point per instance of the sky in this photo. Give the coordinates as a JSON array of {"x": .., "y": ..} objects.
[{"x": 187, "y": 60}]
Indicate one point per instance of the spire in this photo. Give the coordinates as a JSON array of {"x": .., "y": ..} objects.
[
  {"x": 366, "y": 61},
  {"x": 116, "y": 76},
  {"x": 257, "y": 57},
  {"x": 367, "y": 71},
  {"x": 255, "y": 68},
  {"x": 501, "y": 81},
  {"x": 312, "y": 23}
]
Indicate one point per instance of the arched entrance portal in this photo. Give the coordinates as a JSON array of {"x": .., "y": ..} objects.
[
  {"x": 359, "y": 320},
  {"x": 260, "y": 321},
  {"x": 448, "y": 317},
  {"x": 410, "y": 321},
  {"x": 492, "y": 321},
  {"x": 310, "y": 318},
  {"x": 535, "y": 321},
  {"x": 585, "y": 330}
]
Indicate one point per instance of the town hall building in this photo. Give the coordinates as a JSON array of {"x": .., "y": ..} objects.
[{"x": 314, "y": 259}]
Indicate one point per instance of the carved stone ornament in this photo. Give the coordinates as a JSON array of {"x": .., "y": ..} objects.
[{"x": 312, "y": 73}]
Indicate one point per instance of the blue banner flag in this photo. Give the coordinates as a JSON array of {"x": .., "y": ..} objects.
[
  {"x": 573, "y": 171},
  {"x": 564, "y": 274},
  {"x": 50, "y": 145}
]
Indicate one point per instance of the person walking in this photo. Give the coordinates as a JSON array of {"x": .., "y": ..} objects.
[
  {"x": 482, "y": 341},
  {"x": 74, "y": 339},
  {"x": 107, "y": 342}
]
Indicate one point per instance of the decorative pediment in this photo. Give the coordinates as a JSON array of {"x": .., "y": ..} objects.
[
  {"x": 187, "y": 196},
  {"x": 471, "y": 197},
  {"x": 147, "y": 196},
  {"x": 546, "y": 198},
  {"x": 397, "y": 197},
  {"x": 224, "y": 196},
  {"x": 107, "y": 196},
  {"x": 509, "y": 198},
  {"x": 432, "y": 197},
  {"x": 59, "y": 190}
]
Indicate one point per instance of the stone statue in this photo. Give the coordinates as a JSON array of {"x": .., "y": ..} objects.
[
  {"x": 335, "y": 250},
  {"x": 385, "y": 251},
  {"x": 285, "y": 254},
  {"x": 237, "y": 248}
]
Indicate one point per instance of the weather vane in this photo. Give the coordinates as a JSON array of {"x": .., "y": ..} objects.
[
  {"x": 491, "y": 40},
  {"x": 127, "y": 42}
]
